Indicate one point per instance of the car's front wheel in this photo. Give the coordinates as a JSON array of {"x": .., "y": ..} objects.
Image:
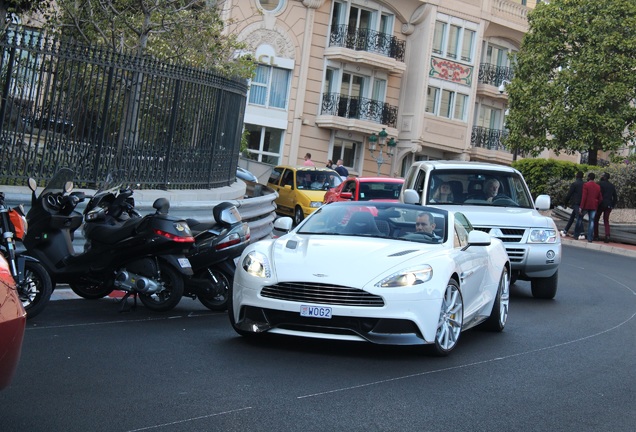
[
  {"x": 499, "y": 315},
  {"x": 545, "y": 288},
  {"x": 298, "y": 215},
  {"x": 451, "y": 320}
]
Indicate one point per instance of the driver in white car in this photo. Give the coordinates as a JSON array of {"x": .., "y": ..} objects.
[{"x": 425, "y": 223}]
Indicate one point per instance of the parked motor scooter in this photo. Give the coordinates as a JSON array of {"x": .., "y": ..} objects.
[
  {"x": 142, "y": 256},
  {"x": 217, "y": 244},
  {"x": 32, "y": 281}
]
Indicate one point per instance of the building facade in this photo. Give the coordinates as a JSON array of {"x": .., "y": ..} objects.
[{"x": 335, "y": 75}]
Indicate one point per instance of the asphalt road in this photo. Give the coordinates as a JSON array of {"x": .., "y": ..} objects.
[{"x": 562, "y": 365}]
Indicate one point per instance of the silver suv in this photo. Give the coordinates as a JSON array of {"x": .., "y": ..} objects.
[{"x": 496, "y": 200}]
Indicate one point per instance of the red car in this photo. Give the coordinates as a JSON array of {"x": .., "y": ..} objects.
[
  {"x": 366, "y": 189},
  {"x": 12, "y": 322}
]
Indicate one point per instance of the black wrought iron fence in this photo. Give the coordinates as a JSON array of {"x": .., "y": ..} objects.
[{"x": 94, "y": 110}]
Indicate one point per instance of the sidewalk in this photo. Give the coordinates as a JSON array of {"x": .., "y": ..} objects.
[{"x": 611, "y": 247}]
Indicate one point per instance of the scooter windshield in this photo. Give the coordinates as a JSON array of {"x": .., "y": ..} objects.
[
  {"x": 56, "y": 184},
  {"x": 112, "y": 183}
]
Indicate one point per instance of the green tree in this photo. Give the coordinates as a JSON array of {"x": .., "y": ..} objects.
[
  {"x": 575, "y": 80},
  {"x": 190, "y": 32},
  {"x": 19, "y": 7}
]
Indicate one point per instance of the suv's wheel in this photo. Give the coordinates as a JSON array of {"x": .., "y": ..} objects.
[
  {"x": 545, "y": 288},
  {"x": 298, "y": 215}
]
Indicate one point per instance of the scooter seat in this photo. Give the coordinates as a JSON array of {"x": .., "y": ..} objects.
[
  {"x": 111, "y": 234},
  {"x": 198, "y": 227}
]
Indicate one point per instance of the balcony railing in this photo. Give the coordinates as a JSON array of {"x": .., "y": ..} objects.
[
  {"x": 367, "y": 40},
  {"x": 359, "y": 108},
  {"x": 493, "y": 74},
  {"x": 487, "y": 138}
]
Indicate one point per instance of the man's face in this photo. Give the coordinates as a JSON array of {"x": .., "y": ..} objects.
[
  {"x": 422, "y": 224},
  {"x": 493, "y": 189}
]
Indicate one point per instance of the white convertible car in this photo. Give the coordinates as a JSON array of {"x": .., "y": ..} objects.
[{"x": 381, "y": 272}]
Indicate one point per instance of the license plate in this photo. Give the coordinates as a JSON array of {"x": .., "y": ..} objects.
[
  {"x": 315, "y": 311},
  {"x": 184, "y": 263}
]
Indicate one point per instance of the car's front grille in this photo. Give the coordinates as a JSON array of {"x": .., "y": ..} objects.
[
  {"x": 516, "y": 255},
  {"x": 321, "y": 294},
  {"x": 506, "y": 235}
]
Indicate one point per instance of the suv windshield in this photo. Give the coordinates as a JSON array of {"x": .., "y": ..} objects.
[{"x": 486, "y": 188}]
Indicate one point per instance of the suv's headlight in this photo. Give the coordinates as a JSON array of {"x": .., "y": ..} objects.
[
  {"x": 315, "y": 204},
  {"x": 407, "y": 277},
  {"x": 257, "y": 264},
  {"x": 542, "y": 236}
]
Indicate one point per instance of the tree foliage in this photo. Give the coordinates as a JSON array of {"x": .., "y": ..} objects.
[
  {"x": 190, "y": 32},
  {"x": 19, "y": 7},
  {"x": 575, "y": 80}
]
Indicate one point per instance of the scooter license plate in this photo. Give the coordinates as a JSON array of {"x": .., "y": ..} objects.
[
  {"x": 184, "y": 263},
  {"x": 315, "y": 311}
]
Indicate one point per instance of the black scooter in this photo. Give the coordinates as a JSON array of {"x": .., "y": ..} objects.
[
  {"x": 217, "y": 244},
  {"x": 32, "y": 281},
  {"x": 143, "y": 256}
]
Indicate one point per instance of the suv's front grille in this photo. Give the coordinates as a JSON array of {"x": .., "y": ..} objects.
[
  {"x": 321, "y": 294},
  {"x": 506, "y": 235},
  {"x": 516, "y": 255}
]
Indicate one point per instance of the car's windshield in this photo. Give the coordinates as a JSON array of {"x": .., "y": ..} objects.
[
  {"x": 317, "y": 180},
  {"x": 485, "y": 188},
  {"x": 386, "y": 220},
  {"x": 379, "y": 190}
]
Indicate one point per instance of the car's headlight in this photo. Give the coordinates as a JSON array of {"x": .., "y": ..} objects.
[
  {"x": 257, "y": 264},
  {"x": 408, "y": 277},
  {"x": 315, "y": 204},
  {"x": 542, "y": 236}
]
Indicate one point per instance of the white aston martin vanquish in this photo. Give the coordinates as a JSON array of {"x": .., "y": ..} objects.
[{"x": 381, "y": 272}]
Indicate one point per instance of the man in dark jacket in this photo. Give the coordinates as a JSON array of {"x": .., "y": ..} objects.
[
  {"x": 590, "y": 200},
  {"x": 608, "y": 190},
  {"x": 574, "y": 200}
]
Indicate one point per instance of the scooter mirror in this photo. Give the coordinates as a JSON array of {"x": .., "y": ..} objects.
[
  {"x": 68, "y": 186},
  {"x": 33, "y": 185}
]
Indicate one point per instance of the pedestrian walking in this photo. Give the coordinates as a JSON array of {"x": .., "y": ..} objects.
[
  {"x": 308, "y": 161},
  {"x": 330, "y": 164},
  {"x": 573, "y": 199},
  {"x": 608, "y": 190},
  {"x": 590, "y": 200},
  {"x": 340, "y": 169}
]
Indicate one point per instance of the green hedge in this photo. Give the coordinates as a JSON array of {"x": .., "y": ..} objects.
[{"x": 553, "y": 177}]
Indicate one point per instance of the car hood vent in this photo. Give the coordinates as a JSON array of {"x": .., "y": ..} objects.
[{"x": 405, "y": 252}]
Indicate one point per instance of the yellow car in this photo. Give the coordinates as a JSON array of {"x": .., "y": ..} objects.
[{"x": 301, "y": 189}]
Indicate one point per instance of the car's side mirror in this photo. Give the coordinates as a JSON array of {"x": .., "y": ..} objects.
[
  {"x": 478, "y": 238},
  {"x": 346, "y": 195},
  {"x": 411, "y": 196},
  {"x": 283, "y": 224},
  {"x": 542, "y": 202}
]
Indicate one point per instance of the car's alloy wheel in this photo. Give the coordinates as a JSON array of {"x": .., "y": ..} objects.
[
  {"x": 451, "y": 319},
  {"x": 499, "y": 314}
]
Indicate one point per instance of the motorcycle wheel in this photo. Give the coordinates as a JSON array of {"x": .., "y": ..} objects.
[
  {"x": 216, "y": 300},
  {"x": 36, "y": 289},
  {"x": 171, "y": 294},
  {"x": 90, "y": 290}
]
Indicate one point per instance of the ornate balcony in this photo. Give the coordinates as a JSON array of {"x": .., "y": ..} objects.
[
  {"x": 335, "y": 104},
  {"x": 494, "y": 75},
  {"x": 487, "y": 138},
  {"x": 367, "y": 40}
]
